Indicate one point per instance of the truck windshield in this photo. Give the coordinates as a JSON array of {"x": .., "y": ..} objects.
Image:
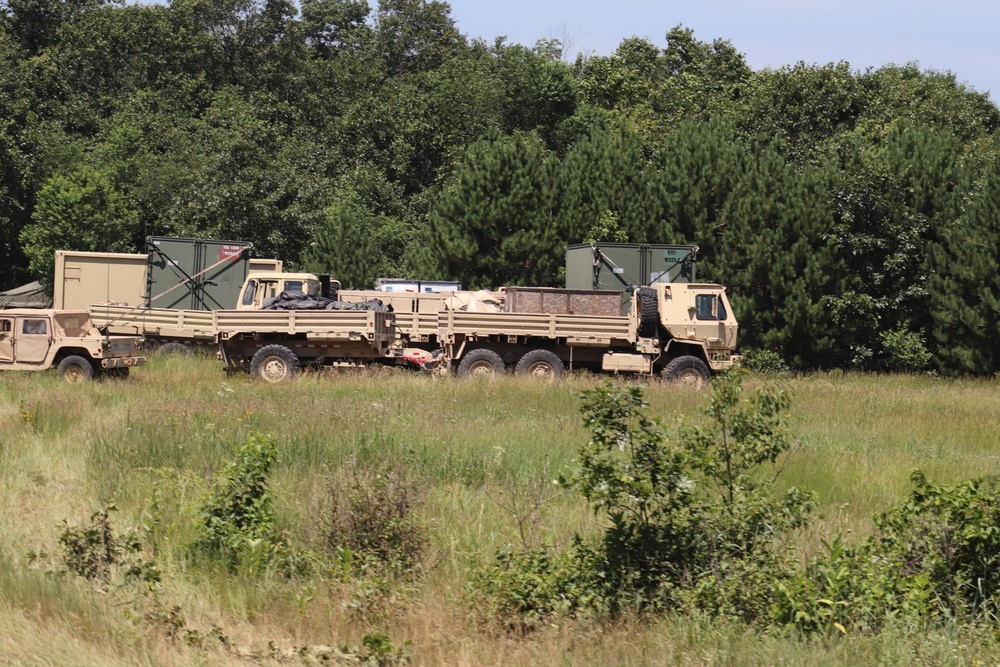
[
  {"x": 248, "y": 292},
  {"x": 705, "y": 304}
]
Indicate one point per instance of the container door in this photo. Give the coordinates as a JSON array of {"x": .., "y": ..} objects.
[
  {"x": 6, "y": 339},
  {"x": 34, "y": 335}
]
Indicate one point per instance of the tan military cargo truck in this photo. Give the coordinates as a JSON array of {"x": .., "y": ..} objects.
[
  {"x": 34, "y": 340},
  {"x": 275, "y": 344},
  {"x": 682, "y": 331}
]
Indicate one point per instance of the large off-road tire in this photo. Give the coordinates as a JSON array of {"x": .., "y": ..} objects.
[
  {"x": 649, "y": 313},
  {"x": 274, "y": 363},
  {"x": 75, "y": 368},
  {"x": 686, "y": 371},
  {"x": 481, "y": 363},
  {"x": 173, "y": 349},
  {"x": 542, "y": 364}
]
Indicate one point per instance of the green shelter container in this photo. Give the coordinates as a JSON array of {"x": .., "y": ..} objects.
[
  {"x": 620, "y": 266},
  {"x": 194, "y": 274}
]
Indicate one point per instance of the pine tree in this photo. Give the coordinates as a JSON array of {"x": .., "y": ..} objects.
[
  {"x": 687, "y": 184},
  {"x": 603, "y": 172},
  {"x": 493, "y": 223},
  {"x": 779, "y": 261},
  {"x": 965, "y": 289}
]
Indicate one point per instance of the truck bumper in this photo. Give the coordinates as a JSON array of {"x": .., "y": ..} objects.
[
  {"x": 722, "y": 362},
  {"x": 123, "y": 362}
]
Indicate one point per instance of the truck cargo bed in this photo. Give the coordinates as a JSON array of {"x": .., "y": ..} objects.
[
  {"x": 575, "y": 329},
  {"x": 124, "y": 320},
  {"x": 313, "y": 324}
]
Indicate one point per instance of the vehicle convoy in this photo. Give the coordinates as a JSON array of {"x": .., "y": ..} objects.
[
  {"x": 682, "y": 331},
  {"x": 40, "y": 339}
]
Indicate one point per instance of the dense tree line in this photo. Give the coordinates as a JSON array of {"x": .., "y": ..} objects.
[{"x": 853, "y": 215}]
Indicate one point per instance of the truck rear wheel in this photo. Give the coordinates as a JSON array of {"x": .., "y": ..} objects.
[
  {"x": 274, "y": 363},
  {"x": 75, "y": 368},
  {"x": 649, "y": 315},
  {"x": 686, "y": 371},
  {"x": 481, "y": 362},
  {"x": 541, "y": 364}
]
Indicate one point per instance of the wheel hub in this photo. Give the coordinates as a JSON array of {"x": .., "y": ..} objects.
[
  {"x": 481, "y": 369},
  {"x": 273, "y": 369}
]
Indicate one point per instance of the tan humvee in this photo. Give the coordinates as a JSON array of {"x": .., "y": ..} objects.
[{"x": 34, "y": 340}]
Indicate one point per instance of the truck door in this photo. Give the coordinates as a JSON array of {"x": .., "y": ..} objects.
[
  {"x": 6, "y": 339},
  {"x": 34, "y": 335},
  {"x": 710, "y": 319}
]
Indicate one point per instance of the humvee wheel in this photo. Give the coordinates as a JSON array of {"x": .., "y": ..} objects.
[
  {"x": 687, "y": 371},
  {"x": 274, "y": 363},
  {"x": 542, "y": 364},
  {"x": 481, "y": 363},
  {"x": 75, "y": 368}
]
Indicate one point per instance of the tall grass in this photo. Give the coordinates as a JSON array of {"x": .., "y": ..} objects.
[{"x": 153, "y": 444}]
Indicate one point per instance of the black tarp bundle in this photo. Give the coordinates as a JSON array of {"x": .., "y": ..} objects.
[{"x": 299, "y": 301}]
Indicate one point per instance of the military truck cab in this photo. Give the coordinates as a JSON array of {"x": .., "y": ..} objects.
[
  {"x": 262, "y": 285},
  {"x": 695, "y": 327},
  {"x": 32, "y": 340}
]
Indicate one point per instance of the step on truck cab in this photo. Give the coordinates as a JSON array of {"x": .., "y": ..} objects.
[{"x": 67, "y": 340}]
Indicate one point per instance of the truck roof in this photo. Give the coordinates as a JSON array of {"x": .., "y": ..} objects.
[{"x": 280, "y": 275}]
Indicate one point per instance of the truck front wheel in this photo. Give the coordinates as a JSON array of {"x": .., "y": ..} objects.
[
  {"x": 541, "y": 364},
  {"x": 686, "y": 371},
  {"x": 274, "y": 363},
  {"x": 75, "y": 368},
  {"x": 481, "y": 362}
]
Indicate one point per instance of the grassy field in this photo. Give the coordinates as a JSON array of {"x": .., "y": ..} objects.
[{"x": 152, "y": 444}]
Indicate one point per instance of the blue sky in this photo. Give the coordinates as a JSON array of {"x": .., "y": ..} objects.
[{"x": 960, "y": 36}]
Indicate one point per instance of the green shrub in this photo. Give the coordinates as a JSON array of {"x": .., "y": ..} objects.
[
  {"x": 370, "y": 517},
  {"x": 94, "y": 552},
  {"x": 237, "y": 517},
  {"x": 688, "y": 522},
  {"x": 904, "y": 351},
  {"x": 933, "y": 558},
  {"x": 523, "y": 588},
  {"x": 764, "y": 361}
]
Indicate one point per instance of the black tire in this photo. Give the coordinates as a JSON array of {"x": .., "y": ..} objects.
[
  {"x": 274, "y": 363},
  {"x": 649, "y": 312},
  {"x": 542, "y": 364},
  {"x": 481, "y": 363},
  {"x": 170, "y": 349},
  {"x": 686, "y": 371},
  {"x": 75, "y": 368}
]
